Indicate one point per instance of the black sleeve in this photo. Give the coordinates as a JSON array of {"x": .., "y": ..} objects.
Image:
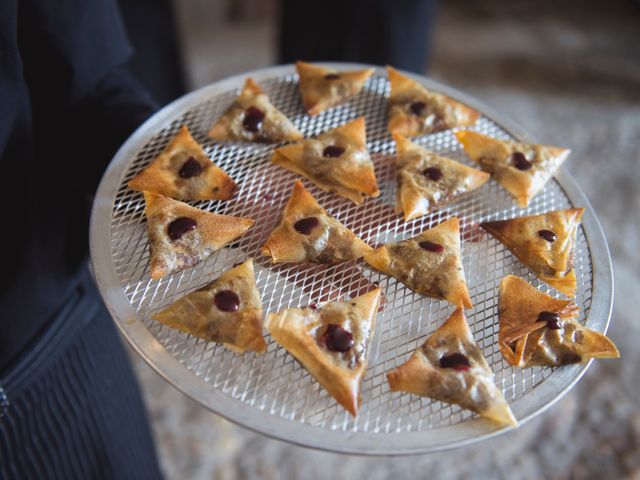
[{"x": 84, "y": 101}]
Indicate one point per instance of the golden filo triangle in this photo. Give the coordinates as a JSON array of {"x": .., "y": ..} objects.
[
  {"x": 427, "y": 180},
  {"x": 539, "y": 330},
  {"x": 253, "y": 118},
  {"x": 307, "y": 233},
  {"x": 185, "y": 172},
  {"x": 428, "y": 264},
  {"x": 322, "y": 87},
  {"x": 416, "y": 110},
  {"x": 523, "y": 169},
  {"x": 332, "y": 342},
  {"x": 227, "y": 310},
  {"x": 181, "y": 236},
  {"x": 445, "y": 367},
  {"x": 545, "y": 243},
  {"x": 337, "y": 161}
]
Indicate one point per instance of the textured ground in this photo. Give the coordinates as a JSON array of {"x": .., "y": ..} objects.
[{"x": 570, "y": 76}]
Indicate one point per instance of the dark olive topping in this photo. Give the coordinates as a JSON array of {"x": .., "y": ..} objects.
[
  {"x": 552, "y": 319},
  {"x": 306, "y": 225},
  {"x": 417, "y": 108},
  {"x": 227, "y": 301},
  {"x": 337, "y": 339},
  {"x": 433, "y": 173},
  {"x": 180, "y": 226},
  {"x": 431, "y": 247},
  {"x": 457, "y": 361},
  {"x": 253, "y": 118},
  {"x": 547, "y": 235},
  {"x": 332, "y": 76},
  {"x": 332, "y": 151},
  {"x": 190, "y": 168},
  {"x": 520, "y": 161}
]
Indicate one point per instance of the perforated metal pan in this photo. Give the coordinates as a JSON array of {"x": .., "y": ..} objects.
[{"x": 272, "y": 393}]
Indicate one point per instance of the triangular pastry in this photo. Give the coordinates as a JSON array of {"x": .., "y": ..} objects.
[
  {"x": 337, "y": 161},
  {"x": 450, "y": 367},
  {"x": 185, "y": 172},
  {"x": 545, "y": 243},
  {"x": 252, "y": 118},
  {"x": 428, "y": 264},
  {"x": 322, "y": 88},
  {"x": 536, "y": 329},
  {"x": 181, "y": 236},
  {"x": 415, "y": 110},
  {"x": 331, "y": 342},
  {"x": 307, "y": 233},
  {"x": 426, "y": 180},
  {"x": 227, "y": 310},
  {"x": 522, "y": 169}
]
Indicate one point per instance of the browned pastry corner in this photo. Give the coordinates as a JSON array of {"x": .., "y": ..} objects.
[
  {"x": 253, "y": 118},
  {"x": 307, "y": 233},
  {"x": 181, "y": 236},
  {"x": 323, "y": 88},
  {"x": 427, "y": 180},
  {"x": 451, "y": 368},
  {"x": 428, "y": 264},
  {"x": 336, "y": 161},
  {"x": 227, "y": 310},
  {"x": 415, "y": 110},
  {"x": 545, "y": 243},
  {"x": 331, "y": 342},
  {"x": 184, "y": 171},
  {"x": 539, "y": 330},
  {"x": 523, "y": 169}
]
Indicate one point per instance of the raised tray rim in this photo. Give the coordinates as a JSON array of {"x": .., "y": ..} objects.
[{"x": 145, "y": 344}]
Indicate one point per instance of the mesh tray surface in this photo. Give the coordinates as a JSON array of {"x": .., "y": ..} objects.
[{"x": 272, "y": 393}]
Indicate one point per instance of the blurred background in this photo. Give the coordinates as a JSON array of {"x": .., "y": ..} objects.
[{"x": 568, "y": 72}]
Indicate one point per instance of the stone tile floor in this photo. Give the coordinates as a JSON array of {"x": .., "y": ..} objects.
[{"x": 570, "y": 75}]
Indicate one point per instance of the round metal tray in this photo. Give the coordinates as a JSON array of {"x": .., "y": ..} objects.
[{"x": 272, "y": 393}]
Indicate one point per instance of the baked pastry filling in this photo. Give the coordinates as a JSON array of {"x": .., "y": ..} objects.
[
  {"x": 427, "y": 117},
  {"x": 331, "y": 341},
  {"x": 427, "y": 180},
  {"x": 307, "y": 233},
  {"x": 336, "y": 161},
  {"x": 415, "y": 110},
  {"x": 523, "y": 169},
  {"x": 181, "y": 236},
  {"x": 545, "y": 243},
  {"x": 428, "y": 264},
  {"x": 539, "y": 330},
  {"x": 252, "y": 118},
  {"x": 322, "y": 88},
  {"x": 184, "y": 171},
  {"x": 227, "y": 310},
  {"x": 450, "y": 367}
]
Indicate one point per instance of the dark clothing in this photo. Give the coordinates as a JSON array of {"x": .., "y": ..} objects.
[
  {"x": 75, "y": 411},
  {"x": 379, "y": 32},
  {"x": 69, "y": 404},
  {"x": 66, "y": 104}
]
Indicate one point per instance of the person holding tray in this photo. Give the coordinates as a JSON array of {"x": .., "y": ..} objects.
[{"x": 70, "y": 406}]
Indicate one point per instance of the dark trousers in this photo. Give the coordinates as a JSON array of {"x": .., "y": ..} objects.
[
  {"x": 71, "y": 407},
  {"x": 379, "y": 32}
]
